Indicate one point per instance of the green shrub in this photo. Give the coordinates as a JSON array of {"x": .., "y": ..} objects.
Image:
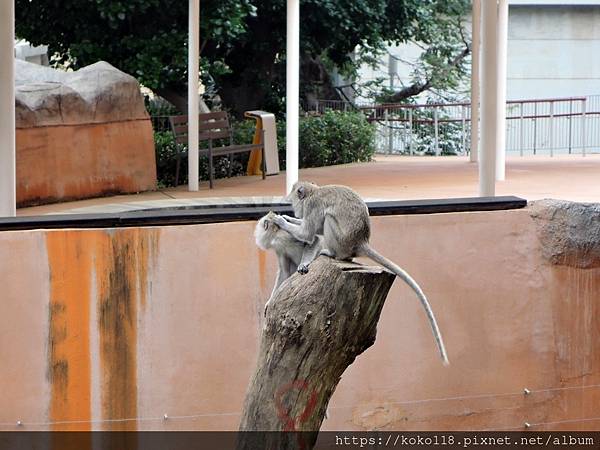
[
  {"x": 158, "y": 106},
  {"x": 336, "y": 138},
  {"x": 166, "y": 162},
  {"x": 166, "y": 157},
  {"x": 333, "y": 138}
]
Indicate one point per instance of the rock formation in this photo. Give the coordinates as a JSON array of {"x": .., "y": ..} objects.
[{"x": 94, "y": 94}]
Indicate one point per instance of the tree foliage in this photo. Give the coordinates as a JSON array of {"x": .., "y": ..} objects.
[
  {"x": 145, "y": 38},
  {"x": 242, "y": 41}
]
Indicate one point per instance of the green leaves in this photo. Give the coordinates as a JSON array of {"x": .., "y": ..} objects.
[
  {"x": 336, "y": 138},
  {"x": 146, "y": 38}
]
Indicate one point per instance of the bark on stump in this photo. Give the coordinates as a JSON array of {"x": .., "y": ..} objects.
[{"x": 316, "y": 325}]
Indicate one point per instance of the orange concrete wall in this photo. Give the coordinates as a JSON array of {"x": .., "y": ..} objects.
[
  {"x": 80, "y": 161},
  {"x": 119, "y": 324}
]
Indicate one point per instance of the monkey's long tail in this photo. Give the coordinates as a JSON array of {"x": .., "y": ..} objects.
[{"x": 369, "y": 252}]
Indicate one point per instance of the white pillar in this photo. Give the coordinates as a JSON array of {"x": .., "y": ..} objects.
[
  {"x": 7, "y": 109},
  {"x": 475, "y": 58},
  {"x": 489, "y": 99},
  {"x": 502, "y": 36},
  {"x": 292, "y": 94},
  {"x": 193, "y": 87}
]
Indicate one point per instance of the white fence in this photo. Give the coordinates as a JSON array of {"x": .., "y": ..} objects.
[{"x": 541, "y": 126}]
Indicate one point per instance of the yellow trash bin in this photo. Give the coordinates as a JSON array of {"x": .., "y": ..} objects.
[{"x": 265, "y": 122}]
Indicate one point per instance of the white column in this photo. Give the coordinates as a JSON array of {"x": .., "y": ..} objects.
[
  {"x": 475, "y": 57},
  {"x": 7, "y": 109},
  {"x": 583, "y": 127},
  {"x": 292, "y": 93},
  {"x": 489, "y": 99},
  {"x": 193, "y": 87},
  {"x": 502, "y": 30}
]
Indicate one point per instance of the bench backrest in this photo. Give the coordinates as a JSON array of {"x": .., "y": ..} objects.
[{"x": 214, "y": 125}]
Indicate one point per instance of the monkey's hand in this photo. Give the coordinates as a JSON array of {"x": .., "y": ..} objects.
[
  {"x": 280, "y": 222},
  {"x": 302, "y": 269},
  {"x": 293, "y": 220}
]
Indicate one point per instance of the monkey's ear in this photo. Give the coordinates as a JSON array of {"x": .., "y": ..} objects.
[{"x": 301, "y": 192}]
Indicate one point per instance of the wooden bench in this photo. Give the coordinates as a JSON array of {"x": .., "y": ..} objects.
[{"x": 212, "y": 126}]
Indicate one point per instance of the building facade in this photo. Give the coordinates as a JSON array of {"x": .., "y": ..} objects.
[{"x": 552, "y": 51}]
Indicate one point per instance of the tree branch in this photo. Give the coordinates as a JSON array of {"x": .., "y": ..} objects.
[{"x": 418, "y": 87}]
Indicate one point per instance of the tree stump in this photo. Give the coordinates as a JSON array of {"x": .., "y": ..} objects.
[{"x": 315, "y": 327}]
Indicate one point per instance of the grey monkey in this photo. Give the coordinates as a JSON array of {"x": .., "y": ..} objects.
[
  {"x": 292, "y": 255},
  {"x": 342, "y": 217}
]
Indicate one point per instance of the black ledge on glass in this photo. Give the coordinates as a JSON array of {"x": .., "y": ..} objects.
[{"x": 200, "y": 214}]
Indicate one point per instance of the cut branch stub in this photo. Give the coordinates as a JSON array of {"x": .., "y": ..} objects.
[{"x": 316, "y": 325}]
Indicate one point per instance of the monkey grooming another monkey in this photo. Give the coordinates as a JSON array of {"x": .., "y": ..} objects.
[
  {"x": 342, "y": 217},
  {"x": 292, "y": 255}
]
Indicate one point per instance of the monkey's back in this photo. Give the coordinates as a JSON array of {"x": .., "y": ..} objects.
[{"x": 350, "y": 213}]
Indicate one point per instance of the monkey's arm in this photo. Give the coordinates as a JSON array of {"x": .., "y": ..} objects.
[
  {"x": 304, "y": 232},
  {"x": 278, "y": 280},
  {"x": 283, "y": 272}
]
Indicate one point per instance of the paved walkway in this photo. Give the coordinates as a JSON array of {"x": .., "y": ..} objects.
[{"x": 389, "y": 177}]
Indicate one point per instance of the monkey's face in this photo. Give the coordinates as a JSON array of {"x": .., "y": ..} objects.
[
  {"x": 300, "y": 192},
  {"x": 265, "y": 231}
]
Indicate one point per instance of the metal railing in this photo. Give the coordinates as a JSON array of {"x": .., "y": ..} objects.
[
  {"x": 320, "y": 106},
  {"x": 541, "y": 126}
]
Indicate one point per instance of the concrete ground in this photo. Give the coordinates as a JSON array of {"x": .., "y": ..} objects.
[{"x": 569, "y": 177}]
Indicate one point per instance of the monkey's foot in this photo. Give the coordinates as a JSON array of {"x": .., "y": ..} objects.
[
  {"x": 327, "y": 253},
  {"x": 303, "y": 269}
]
